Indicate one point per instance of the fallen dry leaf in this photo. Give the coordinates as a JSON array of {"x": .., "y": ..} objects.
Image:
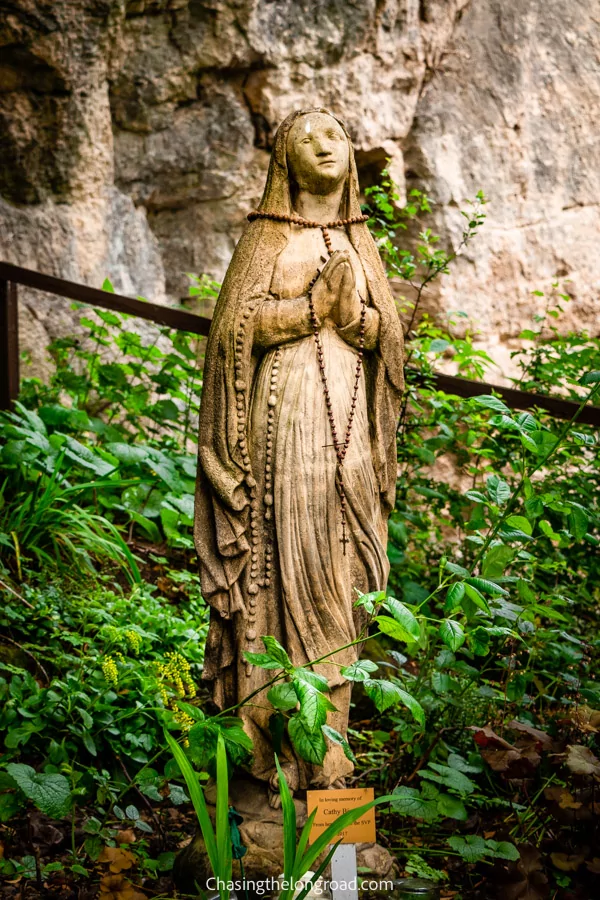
[
  {"x": 563, "y": 797},
  {"x": 117, "y": 887},
  {"x": 567, "y": 862},
  {"x": 587, "y": 719},
  {"x": 593, "y": 865},
  {"x": 543, "y": 739},
  {"x": 582, "y": 761},
  {"x": 127, "y": 836},
  {"x": 117, "y": 858}
]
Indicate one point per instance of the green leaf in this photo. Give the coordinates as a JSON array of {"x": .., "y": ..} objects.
[
  {"x": 496, "y": 560},
  {"x": 283, "y": 696},
  {"x": 520, "y": 523},
  {"x": 262, "y": 660},
  {"x": 451, "y": 807},
  {"x": 477, "y": 598},
  {"x": 289, "y": 823},
  {"x": 277, "y": 652},
  {"x": 403, "y": 615},
  {"x": 310, "y": 744},
  {"x": 454, "y": 597},
  {"x": 338, "y": 738},
  {"x": 502, "y": 850},
  {"x": 578, "y": 523},
  {"x": 590, "y": 378},
  {"x": 457, "y": 570},
  {"x": 450, "y": 778},
  {"x": 498, "y": 490},
  {"x": 471, "y": 848},
  {"x": 317, "y": 681},
  {"x": 359, "y": 670},
  {"x": 490, "y": 402},
  {"x": 50, "y": 793},
  {"x": 452, "y": 634},
  {"x": 314, "y": 705},
  {"x": 409, "y": 801},
  {"x": 486, "y": 587},
  {"x": 394, "y": 629},
  {"x": 385, "y": 694}
]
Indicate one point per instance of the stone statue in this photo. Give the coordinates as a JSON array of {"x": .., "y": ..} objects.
[{"x": 297, "y": 444}]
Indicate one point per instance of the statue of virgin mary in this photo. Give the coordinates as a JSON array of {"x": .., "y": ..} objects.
[{"x": 297, "y": 453}]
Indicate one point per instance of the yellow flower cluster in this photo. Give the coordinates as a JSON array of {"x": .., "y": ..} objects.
[
  {"x": 110, "y": 671},
  {"x": 134, "y": 641},
  {"x": 183, "y": 719},
  {"x": 176, "y": 670}
]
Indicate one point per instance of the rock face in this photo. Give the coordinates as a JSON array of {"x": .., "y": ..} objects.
[{"x": 134, "y": 136}]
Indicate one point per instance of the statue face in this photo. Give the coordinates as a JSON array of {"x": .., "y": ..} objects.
[{"x": 318, "y": 153}]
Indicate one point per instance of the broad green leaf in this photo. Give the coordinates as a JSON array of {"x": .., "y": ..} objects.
[
  {"x": 520, "y": 523},
  {"x": 454, "y": 597},
  {"x": 451, "y": 807},
  {"x": 471, "y": 848},
  {"x": 403, "y": 615},
  {"x": 359, "y": 670},
  {"x": 310, "y": 744},
  {"x": 394, "y": 629},
  {"x": 577, "y": 522},
  {"x": 410, "y": 802},
  {"x": 452, "y": 634},
  {"x": 277, "y": 652},
  {"x": 496, "y": 560},
  {"x": 317, "y": 681},
  {"x": 338, "y": 738},
  {"x": 486, "y": 586},
  {"x": 370, "y": 601},
  {"x": 262, "y": 660},
  {"x": 477, "y": 497},
  {"x": 283, "y": 696},
  {"x": 314, "y": 705},
  {"x": 590, "y": 378},
  {"x": 450, "y": 778},
  {"x": 491, "y": 402},
  {"x": 498, "y": 490},
  {"x": 50, "y": 793},
  {"x": 456, "y": 569},
  {"x": 476, "y": 597}
]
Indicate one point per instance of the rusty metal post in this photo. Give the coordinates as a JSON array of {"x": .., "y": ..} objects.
[{"x": 9, "y": 344}]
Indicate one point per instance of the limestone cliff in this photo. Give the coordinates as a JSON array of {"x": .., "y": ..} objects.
[{"x": 134, "y": 136}]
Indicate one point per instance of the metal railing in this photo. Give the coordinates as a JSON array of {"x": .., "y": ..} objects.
[{"x": 12, "y": 276}]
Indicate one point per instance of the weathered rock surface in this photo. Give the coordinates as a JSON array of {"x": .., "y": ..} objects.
[{"x": 134, "y": 135}]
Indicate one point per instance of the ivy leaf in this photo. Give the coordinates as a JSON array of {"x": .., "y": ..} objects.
[
  {"x": 283, "y": 696},
  {"x": 359, "y": 670},
  {"x": 452, "y": 807},
  {"x": 452, "y": 634},
  {"x": 310, "y": 744},
  {"x": 410, "y": 802},
  {"x": 471, "y": 848},
  {"x": 50, "y": 793}
]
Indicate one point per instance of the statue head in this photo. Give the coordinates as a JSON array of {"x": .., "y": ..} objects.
[{"x": 318, "y": 152}]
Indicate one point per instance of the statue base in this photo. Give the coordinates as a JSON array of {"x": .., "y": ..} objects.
[{"x": 262, "y": 834}]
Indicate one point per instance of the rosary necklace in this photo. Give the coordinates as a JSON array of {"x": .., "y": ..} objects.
[{"x": 341, "y": 447}]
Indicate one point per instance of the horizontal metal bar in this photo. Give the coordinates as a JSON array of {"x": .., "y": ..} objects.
[
  {"x": 152, "y": 312},
  {"x": 193, "y": 324},
  {"x": 557, "y": 406}
]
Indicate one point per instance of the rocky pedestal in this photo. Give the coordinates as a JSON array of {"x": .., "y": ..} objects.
[{"x": 262, "y": 834}]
